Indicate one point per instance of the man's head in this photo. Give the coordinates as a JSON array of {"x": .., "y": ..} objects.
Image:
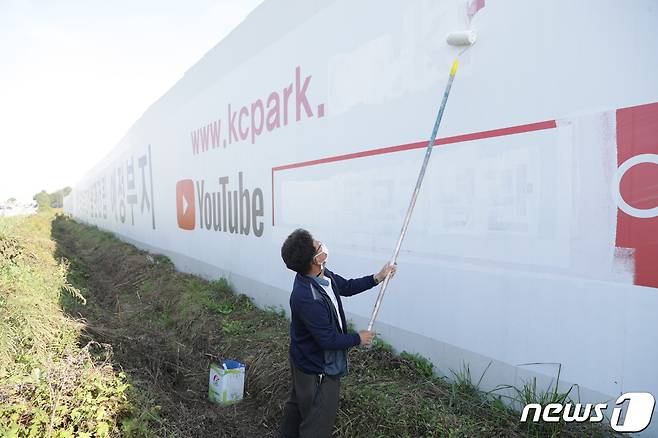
[{"x": 303, "y": 254}]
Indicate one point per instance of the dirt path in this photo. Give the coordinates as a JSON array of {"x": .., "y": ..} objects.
[{"x": 168, "y": 361}]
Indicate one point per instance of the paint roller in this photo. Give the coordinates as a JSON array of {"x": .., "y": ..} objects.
[{"x": 463, "y": 39}]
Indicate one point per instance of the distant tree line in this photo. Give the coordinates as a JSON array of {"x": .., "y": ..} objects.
[{"x": 55, "y": 199}]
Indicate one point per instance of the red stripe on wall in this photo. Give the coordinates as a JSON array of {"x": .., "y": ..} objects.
[
  {"x": 549, "y": 124},
  {"x": 519, "y": 129}
]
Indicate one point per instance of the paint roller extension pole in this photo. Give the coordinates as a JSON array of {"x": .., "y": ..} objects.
[{"x": 414, "y": 196}]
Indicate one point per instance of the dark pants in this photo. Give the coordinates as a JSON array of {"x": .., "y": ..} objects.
[{"x": 312, "y": 405}]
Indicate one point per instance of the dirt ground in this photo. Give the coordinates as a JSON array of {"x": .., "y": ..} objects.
[
  {"x": 165, "y": 327},
  {"x": 168, "y": 362}
]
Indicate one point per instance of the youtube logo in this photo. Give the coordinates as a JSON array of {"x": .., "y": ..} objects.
[
  {"x": 185, "y": 208},
  {"x": 237, "y": 211}
]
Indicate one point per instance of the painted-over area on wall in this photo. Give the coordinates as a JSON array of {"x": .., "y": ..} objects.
[{"x": 534, "y": 241}]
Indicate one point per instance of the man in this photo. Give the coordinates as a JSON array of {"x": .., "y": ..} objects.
[{"x": 318, "y": 335}]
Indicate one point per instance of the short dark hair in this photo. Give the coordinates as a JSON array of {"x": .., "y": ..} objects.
[{"x": 297, "y": 251}]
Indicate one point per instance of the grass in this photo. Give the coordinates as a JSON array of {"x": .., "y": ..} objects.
[
  {"x": 139, "y": 337},
  {"x": 50, "y": 384}
]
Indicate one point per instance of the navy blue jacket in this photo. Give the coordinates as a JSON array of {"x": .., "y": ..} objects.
[{"x": 317, "y": 343}]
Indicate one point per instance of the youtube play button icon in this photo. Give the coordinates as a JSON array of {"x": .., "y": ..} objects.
[{"x": 185, "y": 208}]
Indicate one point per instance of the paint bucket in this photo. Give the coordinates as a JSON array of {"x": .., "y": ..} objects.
[{"x": 226, "y": 382}]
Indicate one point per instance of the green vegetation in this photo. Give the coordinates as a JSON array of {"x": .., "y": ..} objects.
[
  {"x": 50, "y": 383},
  {"x": 101, "y": 338},
  {"x": 55, "y": 199},
  {"x": 528, "y": 393},
  {"x": 43, "y": 200}
]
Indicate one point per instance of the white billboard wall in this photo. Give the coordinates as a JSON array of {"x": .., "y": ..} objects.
[{"x": 534, "y": 239}]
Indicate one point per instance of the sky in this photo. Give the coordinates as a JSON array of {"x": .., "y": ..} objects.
[{"x": 76, "y": 74}]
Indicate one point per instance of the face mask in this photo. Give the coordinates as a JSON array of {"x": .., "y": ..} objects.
[{"x": 323, "y": 249}]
